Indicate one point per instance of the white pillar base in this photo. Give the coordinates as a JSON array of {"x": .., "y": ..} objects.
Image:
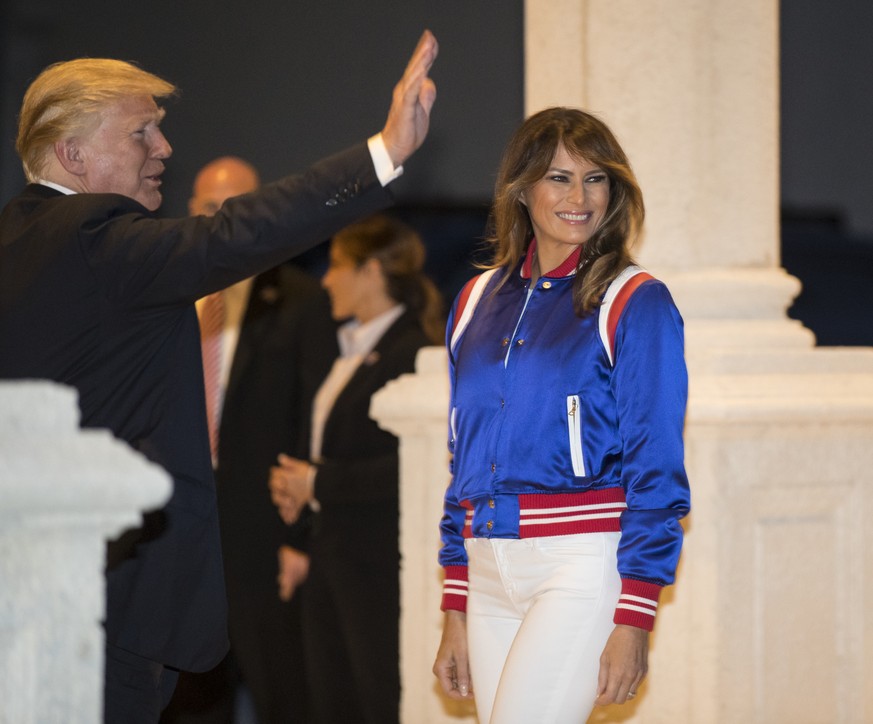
[{"x": 63, "y": 492}]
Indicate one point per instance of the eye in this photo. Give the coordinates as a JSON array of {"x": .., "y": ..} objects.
[
  {"x": 558, "y": 178},
  {"x": 596, "y": 178}
]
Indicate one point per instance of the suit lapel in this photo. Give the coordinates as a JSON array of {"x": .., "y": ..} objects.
[{"x": 369, "y": 367}]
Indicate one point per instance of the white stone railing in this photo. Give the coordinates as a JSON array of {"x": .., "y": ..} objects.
[{"x": 63, "y": 492}]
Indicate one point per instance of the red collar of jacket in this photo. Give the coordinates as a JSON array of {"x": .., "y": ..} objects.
[{"x": 565, "y": 269}]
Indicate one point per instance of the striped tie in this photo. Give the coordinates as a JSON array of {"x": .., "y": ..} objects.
[{"x": 212, "y": 316}]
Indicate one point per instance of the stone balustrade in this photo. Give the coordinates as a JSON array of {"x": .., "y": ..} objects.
[
  {"x": 63, "y": 492},
  {"x": 773, "y": 598}
]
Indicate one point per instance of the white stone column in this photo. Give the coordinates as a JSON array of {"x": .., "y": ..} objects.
[
  {"x": 63, "y": 492},
  {"x": 691, "y": 90}
]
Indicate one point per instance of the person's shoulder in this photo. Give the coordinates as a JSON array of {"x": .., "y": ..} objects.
[
  {"x": 652, "y": 291},
  {"x": 650, "y": 305},
  {"x": 50, "y": 200},
  {"x": 406, "y": 333},
  {"x": 72, "y": 218}
]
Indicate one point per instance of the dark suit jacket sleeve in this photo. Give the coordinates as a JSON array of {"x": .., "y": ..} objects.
[{"x": 145, "y": 262}]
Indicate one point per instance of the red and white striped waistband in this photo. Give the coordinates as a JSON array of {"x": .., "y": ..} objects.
[{"x": 544, "y": 514}]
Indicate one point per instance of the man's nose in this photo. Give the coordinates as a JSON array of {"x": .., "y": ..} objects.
[{"x": 162, "y": 148}]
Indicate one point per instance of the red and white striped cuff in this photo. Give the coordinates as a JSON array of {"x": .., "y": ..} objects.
[
  {"x": 455, "y": 589},
  {"x": 637, "y": 604}
]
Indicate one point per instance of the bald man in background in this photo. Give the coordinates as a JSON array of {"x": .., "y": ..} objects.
[{"x": 269, "y": 320}]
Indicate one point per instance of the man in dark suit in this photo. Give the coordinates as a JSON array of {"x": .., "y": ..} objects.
[
  {"x": 98, "y": 293},
  {"x": 271, "y": 319}
]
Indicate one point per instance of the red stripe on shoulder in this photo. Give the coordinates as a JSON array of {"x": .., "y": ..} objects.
[
  {"x": 619, "y": 303},
  {"x": 463, "y": 298}
]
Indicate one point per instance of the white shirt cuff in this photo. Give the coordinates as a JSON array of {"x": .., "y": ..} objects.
[
  {"x": 385, "y": 170},
  {"x": 314, "y": 505}
]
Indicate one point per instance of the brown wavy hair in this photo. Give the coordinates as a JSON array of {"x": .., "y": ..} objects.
[
  {"x": 401, "y": 253},
  {"x": 526, "y": 160}
]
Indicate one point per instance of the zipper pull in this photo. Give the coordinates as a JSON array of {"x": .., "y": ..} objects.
[{"x": 572, "y": 411}]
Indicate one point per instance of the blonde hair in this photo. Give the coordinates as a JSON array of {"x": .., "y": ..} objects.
[{"x": 68, "y": 98}]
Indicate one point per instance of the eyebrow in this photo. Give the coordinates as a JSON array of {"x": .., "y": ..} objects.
[
  {"x": 568, "y": 172},
  {"x": 156, "y": 116}
]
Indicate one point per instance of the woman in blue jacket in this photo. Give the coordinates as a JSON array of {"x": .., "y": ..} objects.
[{"x": 568, "y": 393}]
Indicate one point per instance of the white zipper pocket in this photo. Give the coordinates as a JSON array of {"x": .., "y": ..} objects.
[
  {"x": 574, "y": 428},
  {"x": 452, "y": 426}
]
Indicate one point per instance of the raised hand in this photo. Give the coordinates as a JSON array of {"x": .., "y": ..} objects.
[{"x": 414, "y": 95}]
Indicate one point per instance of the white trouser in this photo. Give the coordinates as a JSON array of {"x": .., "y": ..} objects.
[{"x": 538, "y": 616}]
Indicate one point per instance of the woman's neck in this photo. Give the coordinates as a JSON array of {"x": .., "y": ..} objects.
[
  {"x": 547, "y": 259},
  {"x": 375, "y": 306}
]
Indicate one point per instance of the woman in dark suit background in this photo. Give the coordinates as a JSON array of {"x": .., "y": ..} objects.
[{"x": 351, "y": 598}]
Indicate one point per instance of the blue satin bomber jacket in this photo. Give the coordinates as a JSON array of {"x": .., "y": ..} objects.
[{"x": 549, "y": 438}]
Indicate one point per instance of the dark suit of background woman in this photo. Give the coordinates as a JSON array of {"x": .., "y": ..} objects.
[{"x": 351, "y": 608}]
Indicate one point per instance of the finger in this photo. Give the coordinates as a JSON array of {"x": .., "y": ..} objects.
[
  {"x": 445, "y": 673},
  {"x": 414, "y": 77},
  {"x": 277, "y": 479},
  {"x": 616, "y": 692},
  {"x": 424, "y": 55},
  {"x": 279, "y": 495},
  {"x": 427, "y": 95},
  {"x": 283, "y": 587},
  {"x": 463, "y": 681},
  {"x": 634, "y": 688},
  {"x": 285, "y": 461},
  {"x": 602, "y": 680},
  {"x": 609, "y": 692}
]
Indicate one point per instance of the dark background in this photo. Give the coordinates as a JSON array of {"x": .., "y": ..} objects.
[{"x": 284, "y": 83}]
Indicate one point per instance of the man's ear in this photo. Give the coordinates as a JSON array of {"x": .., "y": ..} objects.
[{"x": 69, "y": 155}]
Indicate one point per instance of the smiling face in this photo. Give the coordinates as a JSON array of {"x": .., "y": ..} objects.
[
  {"x": 566, "y": 206},
  {"x": 125, "y": 153}
]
